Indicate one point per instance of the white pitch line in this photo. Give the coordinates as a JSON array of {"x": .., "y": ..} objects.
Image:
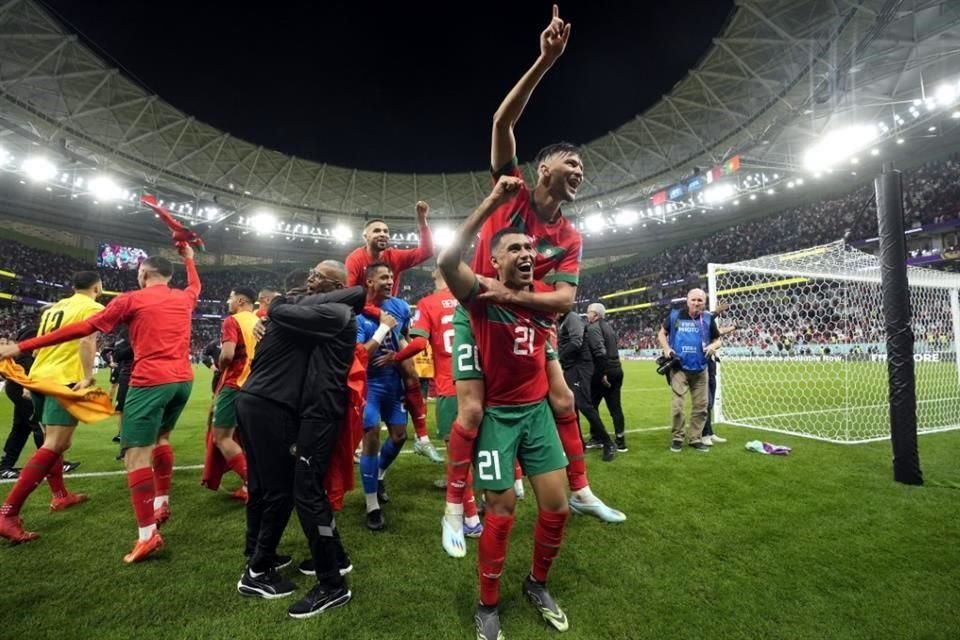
[{"x": 194, "y": 467}]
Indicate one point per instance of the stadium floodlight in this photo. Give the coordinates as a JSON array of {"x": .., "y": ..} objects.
[
  {"x": 719, "y": 193},
  {"x": 594, "y": 222},
  {"x": 626, "y": 217},
  {"x": 104, "y": 189},
  {"x": 263, "y": 222},
  {"x": 900, "y": 140},
  {"x": 946, "y": 94},
  {"x": 955, "y": 114},
  {"x": 442, "y": 237},
  {"x": 838, "y": 145},
  {"x": 39, "y": 169},
  {"x": 342, "y": 233},
  {"x": 931, "y": 129}
]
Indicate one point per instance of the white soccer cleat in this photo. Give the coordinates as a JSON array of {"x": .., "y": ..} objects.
[
  {"x": 717, "y": 439},
  {"x": 452, "y": 538},
  {"x": 597, "y": 509},
  {"x": 707, "y": 440}
]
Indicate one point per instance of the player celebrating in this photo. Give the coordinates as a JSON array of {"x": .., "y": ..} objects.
[
  {"x": 159, "y": 319},
  {"x": 559, "y": 248},
  {"x": 384, "y": 389},
  {"x": 517, "y": 422},
  {"x": 69, "y": 364},
  {"x": 236, "y": 353},
  {"x": 377, "y": 237}
]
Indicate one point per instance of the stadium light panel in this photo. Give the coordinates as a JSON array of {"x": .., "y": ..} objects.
[
  {"x": 263, "y": 222},
  {"x": 753, "y": 196},
  {"x": 955, "y": 114},
  {"x": 626, "y": 217},
  {"x": 719, "y": 193},
  {"x": 103, "y": 188},
  {"x": 594, "y": 222},
  {"x": 39, "y": 169},
  {"x": 799, "y": 181},
  {"x": 899, "y": 140},
  {"x": 932, "y": 129},
  {"x": 946, "y": 94},
  {"x": 442, "y": 237},
  {"x": 342, "y": 233},
  {"x": 838, "y": 145}
]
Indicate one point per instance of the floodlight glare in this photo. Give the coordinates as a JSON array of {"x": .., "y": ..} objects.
[
  {"x": 594, "y": 222},
  {"x": 719, "y": 193},
  {"x": 39, "y": 169},
  {"x": 838, "y": 145},
  {"x": 263, "y": 222},
  {"x": 103, "y": 188},
  {"x": 442, "y": 237},
  {"x": 626, "y": 217},
  {"x": 342, "y": 233},
  {"x": 946, "y": 94}
]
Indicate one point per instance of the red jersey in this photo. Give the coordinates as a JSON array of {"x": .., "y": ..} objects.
[
  {"x": 399, "y": 260},
  {"x": 434, "y": 321},
  {"x": 558, "y": 244},
  {"x": 160, "y": 319},
  {"x": 512, "y": 341},
  {"x": 262, "y": 311},
  {"x": 242, "y": 336}
]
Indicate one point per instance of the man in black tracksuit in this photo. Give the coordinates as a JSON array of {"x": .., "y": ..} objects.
[
  {"x": 23, "y": 423},
  {"x": 123, "y": 358},
  {"x": 607, "y": 384},
  {"x": 297, "y": 384},
  {"x": 581, "y": 353}
]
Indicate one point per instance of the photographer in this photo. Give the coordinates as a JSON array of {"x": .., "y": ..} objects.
[{"x": 690, "y": 337}]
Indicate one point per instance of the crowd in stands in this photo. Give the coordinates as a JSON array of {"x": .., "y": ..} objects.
[{"x": 931, "y": 195}]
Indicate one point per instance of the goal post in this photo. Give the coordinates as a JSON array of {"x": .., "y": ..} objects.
[{"x": 809, "y": 355}]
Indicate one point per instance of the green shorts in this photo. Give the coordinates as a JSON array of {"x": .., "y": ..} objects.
[
  {"x": 224, "y": 409},
  {"x": 526, "y": 432},
  {"x": 446, "y": 414},
  {"x": 150, "y": 411},
  {"x": 49, "y": 412}
]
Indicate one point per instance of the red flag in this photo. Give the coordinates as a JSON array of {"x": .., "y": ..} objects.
[{"x": 181, "y": 234}]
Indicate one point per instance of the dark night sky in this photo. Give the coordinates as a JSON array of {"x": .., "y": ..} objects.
[{"x": 400, "y": 86}]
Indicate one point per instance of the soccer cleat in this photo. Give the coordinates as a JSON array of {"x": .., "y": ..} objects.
[
  {"x": 717, "y": 439},
  {"x": 382, "y": 496},
  {"x": 707, "y": 440},
  {"x": 9, "y": 473},
  {"x": 592, "y": 443},
  {"x": 143, "y": 548},
  {"x": 544, "y": 602},
  {"x": 269, "y": 585},
  {"x": 452, "y": 538},
  {"x": 319, "y": 599},
  {"x": 622, "y": 444},
  {"x": 307, "y": 567},
  {"x": 69, "y": 466},
  {"x": 375, "y": 521},
  {"x": 676, "y": 446},
  {"x": 609, "y": 452},
  {"x": 487, "y": 620},
  {"x": 67, "y": 501},
  {"x": 596, "y": 509},
  {"x": 116, "y": 439},
  {"x": 699, "y": 446},
  {"x": 241, "y": 495},
  {"x": 162, "y": 514},
  {"x": 427, "y": 450},
  {"x": 11, "y": 528},
  {"x": 472, "y": 532}
]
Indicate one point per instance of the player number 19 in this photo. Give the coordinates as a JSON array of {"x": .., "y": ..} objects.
[
  {"x": 523, "y": 343},
  {"x": 486, "y": 460}
]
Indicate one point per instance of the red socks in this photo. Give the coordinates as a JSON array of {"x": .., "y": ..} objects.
[
  {"x": 547, "y": 536},
  {"x": 141, "y": 486},
  {"x": 238, "y": 464},
  {"x": 568, "y": 428},
  {"x": 163, "y": 468},
  {"x": 33, "y": 473},
  {"x": 469, "y": 503},
  {"x": 418, "y": 410},
  {"x": 55, "y": 478},
  {"x": 491, "y": 553},
  {"x": 459, "y": 457}
]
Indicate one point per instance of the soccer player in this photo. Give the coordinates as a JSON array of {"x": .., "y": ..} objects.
[
  {"x": 377, "y": 238},
  {"x": 159, "y": 319},
  {"x": 69, "y": 364},
  {"x": 517, "y": 422},
  {"x": 264, "y": 298},
  {"x": 236, "y": 353},
  {"x": 385, "y": 390},
  {"x": 559, "y": 248}
]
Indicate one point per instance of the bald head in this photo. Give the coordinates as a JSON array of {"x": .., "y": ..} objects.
[{"x": 327, "y": 276}]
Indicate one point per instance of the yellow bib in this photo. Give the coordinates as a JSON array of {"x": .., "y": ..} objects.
[{"x": 61, "y": 363}]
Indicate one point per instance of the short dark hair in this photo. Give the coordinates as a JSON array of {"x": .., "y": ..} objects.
[
  {"x": 159, "y": 264},
  {"x": 247, "y": 293},
  {"x": 83, "y": 280},
  {"x": 554, "y": 149},
  {"x": 296, "y": 279},
  {"x": 372, "y": 269},
  {"x": 506, "y": 231},
  {"x": 266, "y": 291},
  {"x": 370, "y": 222}
]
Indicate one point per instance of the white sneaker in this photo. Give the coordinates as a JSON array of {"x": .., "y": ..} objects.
[
  {"x": 452, "y": 538},
  {"x": 717, "y": 439},
  {"x": 707, "y": 440}
]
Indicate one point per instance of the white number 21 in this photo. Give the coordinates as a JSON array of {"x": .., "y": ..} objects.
[{"x": 523, "y": 343}]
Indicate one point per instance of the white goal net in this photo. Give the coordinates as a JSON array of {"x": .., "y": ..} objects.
[{"x": 809, "y": 355}]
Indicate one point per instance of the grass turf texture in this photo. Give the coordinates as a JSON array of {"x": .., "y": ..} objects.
[{"x": 728, "y": 544}]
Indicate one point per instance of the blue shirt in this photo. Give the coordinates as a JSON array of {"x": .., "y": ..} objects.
[{"x": 366, "y": 327}]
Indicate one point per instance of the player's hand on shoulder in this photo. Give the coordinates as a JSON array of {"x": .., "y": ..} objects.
[
  {"x": 492, "y": 290},
  {"x": 259, "y": 329},
  {"x": 553, "y": 39}
]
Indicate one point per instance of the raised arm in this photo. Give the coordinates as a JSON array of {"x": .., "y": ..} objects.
[
  {"x": 193, "y": 278},
  {"x": 403, "y": 259},
  {"x": 553, "y": 41}
]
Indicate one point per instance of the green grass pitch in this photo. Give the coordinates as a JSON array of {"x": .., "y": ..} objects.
[{"x": 724, "y": 545}]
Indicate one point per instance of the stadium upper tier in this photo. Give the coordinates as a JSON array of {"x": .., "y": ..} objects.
[{"x": 781, "y": 73}]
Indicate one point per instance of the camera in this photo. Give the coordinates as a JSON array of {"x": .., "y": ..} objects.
[{"x": 665, "y": 365}]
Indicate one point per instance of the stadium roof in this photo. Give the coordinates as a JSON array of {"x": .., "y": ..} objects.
[{"x": 780, "y": 73}]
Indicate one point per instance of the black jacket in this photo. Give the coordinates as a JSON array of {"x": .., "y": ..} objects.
[
  {"x": 610, "y": 343},
  {"x": 581, "y": 344},
  {"x": 123, "y": 354}
]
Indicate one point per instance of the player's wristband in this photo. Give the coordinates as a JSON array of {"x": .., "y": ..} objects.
[{"x": 381, "y": 333}]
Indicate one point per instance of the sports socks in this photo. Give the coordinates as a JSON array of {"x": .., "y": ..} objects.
[
  {"x": 33, "y": 473},
  {"x": 491, "y": 553},
  {"x": 163, "y": 474},
  {"x": 238, "y": 464},
  {"x": 547, "y": 536},
  {"x": 460, "y": 455},
  {"x": 470, "y": 515},
  {"x": 568, "y": 428},
  {"x": 55, "y": 478},
  {"x": 141, "y": 486},
  {"x": 418, "y": 410},
  {"x": 368, "y": 478}
]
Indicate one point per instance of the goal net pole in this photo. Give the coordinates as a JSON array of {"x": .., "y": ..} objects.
[{"x": 897, "y": 319}]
